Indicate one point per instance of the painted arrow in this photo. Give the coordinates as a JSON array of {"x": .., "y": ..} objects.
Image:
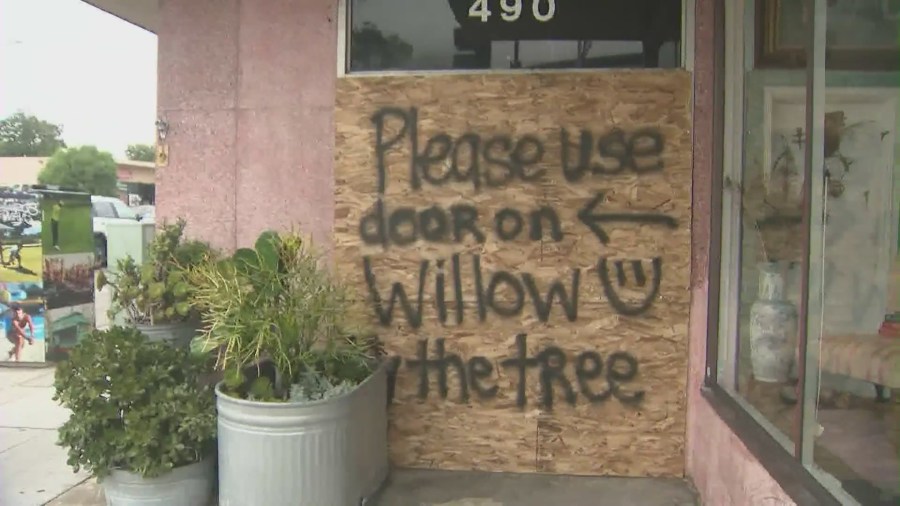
[{"x": 592, "y": 219}]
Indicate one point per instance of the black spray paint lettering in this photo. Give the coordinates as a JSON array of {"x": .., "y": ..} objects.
[
  {"x": 597, "y": 380},
  {"x": 523, "y": 287},
  {"x": 621, "y": 306},
  {"x": 639, "y": 151},
  {"x": 492, "y": 162},
  {"x": 403, "y": 226},
  {"x": 500, "y": 159},
  {"x": 509, "y": 224},
  {"x": 592, "y": 219}
]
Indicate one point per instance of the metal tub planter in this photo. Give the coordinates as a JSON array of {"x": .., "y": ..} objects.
[
  {"x": 330, "y": 452},
  {"x": 302, "y": 407},
  {"x": 190, "y": 485}
]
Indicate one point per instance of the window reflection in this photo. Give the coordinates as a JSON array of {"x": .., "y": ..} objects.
[
  {"x": 853, "y": 317},
  {"x": 857, "y": 438},
  {"x": 771, "y": 248},
  {"x": 507, "y": 34}
]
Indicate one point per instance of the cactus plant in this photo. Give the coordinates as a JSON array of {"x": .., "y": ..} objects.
[{"x": 275, "y": 303}]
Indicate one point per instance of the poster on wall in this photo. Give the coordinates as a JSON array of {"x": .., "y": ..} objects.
[
  {"x": 68, "y": 278},
  {"x": 21, "y": 279},
  {"x": 46, "y": 276}
]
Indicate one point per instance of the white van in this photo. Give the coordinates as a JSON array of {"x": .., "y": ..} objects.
[{"x": 103, "y": 211}]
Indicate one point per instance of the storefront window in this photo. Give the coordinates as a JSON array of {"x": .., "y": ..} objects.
[
  {"x": 810, "y": 268},
  {"x": 765, "y": 154},
  {"x": 857, "y": 436},
  {"x": 513, "y": 34}
]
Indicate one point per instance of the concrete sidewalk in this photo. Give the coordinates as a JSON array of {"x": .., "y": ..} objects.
[
  {"x": 33, "y": 468},
  {"x": 446, "y": 488}
]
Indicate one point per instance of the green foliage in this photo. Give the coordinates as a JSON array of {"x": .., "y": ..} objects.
[
  {"x": 274, "y": 303},
  {"x": 24, "y": 135},
  {"x": 370, "y": 49},
  {"x": 159, "y": 290},
  {"x": 141, "y": 152},
  {"x": 83, "y": 168},
  {"x": 136, "y": 405}
]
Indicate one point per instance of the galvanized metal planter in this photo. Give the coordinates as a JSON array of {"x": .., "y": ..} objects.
[
  {"x": 177, "y": 334},
  {"x": 190, "y": 485},
  {"x": 331, "y": 452}
]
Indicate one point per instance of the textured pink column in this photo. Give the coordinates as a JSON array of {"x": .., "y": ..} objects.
[
  {"x": 722, "y": 468},
  {"x": 196, "y": 96},
  {"x": 248, "y": 90},
  {"x": 288, "y": 63}
]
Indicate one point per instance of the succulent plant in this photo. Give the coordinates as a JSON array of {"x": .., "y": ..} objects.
[
  {"x": 276, "y": 304},
  {"x": 135, "y": 405},
  {"x": 157, "y": 291}
]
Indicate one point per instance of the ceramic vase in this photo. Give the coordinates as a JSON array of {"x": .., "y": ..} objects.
[{"x": 773, "y": 327}]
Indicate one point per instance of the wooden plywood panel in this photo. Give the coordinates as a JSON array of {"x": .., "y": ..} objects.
[{"x": 543, "y": 323}]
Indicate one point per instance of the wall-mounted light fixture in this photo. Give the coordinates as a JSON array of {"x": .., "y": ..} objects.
[
  {"x": 162, "y": 129},
  {"x": 162, "y": 148}
]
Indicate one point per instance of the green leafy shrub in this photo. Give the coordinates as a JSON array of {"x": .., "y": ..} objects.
[
  {"x": 275, "y": 304},
  {"x": 158, "y": 291},
  {"x": 136, "y": 405}
]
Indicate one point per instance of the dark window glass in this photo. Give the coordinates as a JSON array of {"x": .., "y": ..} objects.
[{"x": 509, "y": 34}]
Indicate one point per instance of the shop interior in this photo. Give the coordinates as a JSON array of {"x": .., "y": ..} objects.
[{"x": 853, "y": 281}]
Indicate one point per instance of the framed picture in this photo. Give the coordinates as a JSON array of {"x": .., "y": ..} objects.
[
  {"x": 860, "y": 34},
  {"x": 861, "y": 225}
]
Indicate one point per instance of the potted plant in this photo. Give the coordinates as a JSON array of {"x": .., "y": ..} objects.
[
  {"x": 303, "y": 405},
  {"x": 155, "y": 297},
  {"x": 140, "y": 421}
]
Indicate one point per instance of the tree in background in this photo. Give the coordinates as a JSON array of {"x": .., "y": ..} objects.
[
  {"x": 370, "y": 49},
  {"x": 83, "y": 168},
  {"x": 141, "y": 153},
  {"x": 24, "y": 135}
]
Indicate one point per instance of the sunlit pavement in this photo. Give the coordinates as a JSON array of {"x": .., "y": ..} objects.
[
  {"x": 459, "y": 488},
  {"x": 33, "y": 468}
]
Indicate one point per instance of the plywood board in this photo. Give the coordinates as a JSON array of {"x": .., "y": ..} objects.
[{"x": 478, "y": 196}]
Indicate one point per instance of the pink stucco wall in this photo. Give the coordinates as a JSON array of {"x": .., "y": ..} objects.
[
  {"x": 723, "y": 470},
  {"x": 247, "y": 88}
]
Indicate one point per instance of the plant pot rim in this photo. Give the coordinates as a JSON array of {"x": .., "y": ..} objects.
[
  {"x": 118, "y": 472},
  {"x": 221, "y": 395}
]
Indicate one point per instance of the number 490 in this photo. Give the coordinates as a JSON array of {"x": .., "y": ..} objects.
[{"x": 512, "y": 10}]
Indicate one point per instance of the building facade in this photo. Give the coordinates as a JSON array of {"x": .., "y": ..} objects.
[{"x": 636, "y": 238}]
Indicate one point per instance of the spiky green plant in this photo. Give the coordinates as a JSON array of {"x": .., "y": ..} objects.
[{"x": 274, "y": 302}]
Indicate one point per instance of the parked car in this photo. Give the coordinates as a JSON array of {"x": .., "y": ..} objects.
[{"x": 106, "y": 210}]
